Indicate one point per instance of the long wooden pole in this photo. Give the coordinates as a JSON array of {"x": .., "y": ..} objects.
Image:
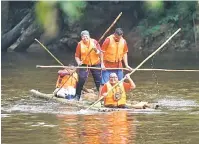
[
  {"x": 98, "y": 68},
  {"x": 113, "y": 23},
  {"x": 57, "y": 61},
  {"x": 78, "y": 67},
  {"x": 49, "y": 52},
  {"x": 169, "y": 70},
  {"x": 110, "y": 27},
  {"x": 137, "y": 67}
]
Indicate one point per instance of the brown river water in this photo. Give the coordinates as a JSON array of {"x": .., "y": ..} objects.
[{"x": 29, "y": 120}]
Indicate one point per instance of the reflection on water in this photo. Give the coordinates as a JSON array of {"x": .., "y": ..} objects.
[
  {"x": 118, "y": 130},
  {"x": 104, "y": 128},
  {"x": 30, "y": 120}
]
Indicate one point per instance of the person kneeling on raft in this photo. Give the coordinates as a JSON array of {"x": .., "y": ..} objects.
[
  {"x": 66, "y": 84},
  {"x": 117, "y": 95}
]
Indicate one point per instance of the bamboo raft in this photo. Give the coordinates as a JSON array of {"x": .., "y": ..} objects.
[{"x": 85, "y": 104}]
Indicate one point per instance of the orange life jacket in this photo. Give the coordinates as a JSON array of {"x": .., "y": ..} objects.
[
  {"x": 65, "y": 80},
  {"x": 89, "y": 56},
  {"x": 115, "y": 50},
  {"x": 110, "y": 98}
]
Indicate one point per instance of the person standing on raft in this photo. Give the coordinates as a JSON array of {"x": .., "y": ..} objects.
[
  {"x": 115, "y": 51},
  {"x": 88, "y": 55}
]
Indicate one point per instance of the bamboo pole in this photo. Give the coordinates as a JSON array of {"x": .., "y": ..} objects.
[
  {"x": 113, "y": 23},
  {"x": 136, "y": 67},
  {"x": 58, "y": 62},
  {"x": 169, "y": 70},
  {"x": 78, "y": 67},
  {"x": 110, "y": 27},
  {"x": 48, "y": 51},
  {"x": 98, "y": 68}
]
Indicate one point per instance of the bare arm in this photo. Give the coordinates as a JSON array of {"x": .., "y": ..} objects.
[
  {"x": 130, "y": 81},
  {"x": 102, "y": 57},
  {"x": 79, "y": 62},
  {"x": 125, "y": 59},
  {"x": 78, "y": 55}
]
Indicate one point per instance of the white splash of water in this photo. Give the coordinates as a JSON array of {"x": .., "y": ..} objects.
[{"x": 177, "y": 103}]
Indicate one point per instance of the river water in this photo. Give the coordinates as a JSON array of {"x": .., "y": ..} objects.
[{"x": 29, "y": 120}]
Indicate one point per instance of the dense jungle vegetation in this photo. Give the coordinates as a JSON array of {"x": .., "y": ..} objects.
[{"x": 57, "y": 24}]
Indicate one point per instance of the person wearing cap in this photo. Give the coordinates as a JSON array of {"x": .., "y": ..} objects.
[
  {"x": 114, "y": 52},
  {"x": 66, "y": 83},
  {"x": 87, "y": 54},
  {"x": 116, "y": 97}
]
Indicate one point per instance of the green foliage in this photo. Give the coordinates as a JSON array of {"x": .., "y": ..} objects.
[
  {"x": 43, "y": 9},
  {"x": 153, "y": 10},
  {"x": 149, "y": 31},
  {"x": 185, "y": 7},
  {"x": 46, "y": 13},
  {"x": 152, "y": 30},
  {"x": 157, "y": 15},
  {"x": 171, "y": 18},
  {"x": 73, "y": 9},
  {"x": 154, "y": 6}
]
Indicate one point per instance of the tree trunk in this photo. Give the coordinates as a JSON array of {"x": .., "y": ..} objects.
[
  {"x": 10, "y": 37},
  {"x": 4, "y": 16},
  {"x": 196, "y": 31},
  {"x": 27, "y": 38}
]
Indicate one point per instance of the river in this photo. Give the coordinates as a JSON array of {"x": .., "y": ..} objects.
[{"x": 29, "y": 120}]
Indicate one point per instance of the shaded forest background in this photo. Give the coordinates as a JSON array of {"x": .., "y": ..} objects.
[{"x": 57, "y": 24}]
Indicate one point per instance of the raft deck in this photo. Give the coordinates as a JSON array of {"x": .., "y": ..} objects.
[{"x": 79, "y": 104}]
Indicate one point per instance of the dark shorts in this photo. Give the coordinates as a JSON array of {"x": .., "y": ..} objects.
[{"x": 69, "y": 97}]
